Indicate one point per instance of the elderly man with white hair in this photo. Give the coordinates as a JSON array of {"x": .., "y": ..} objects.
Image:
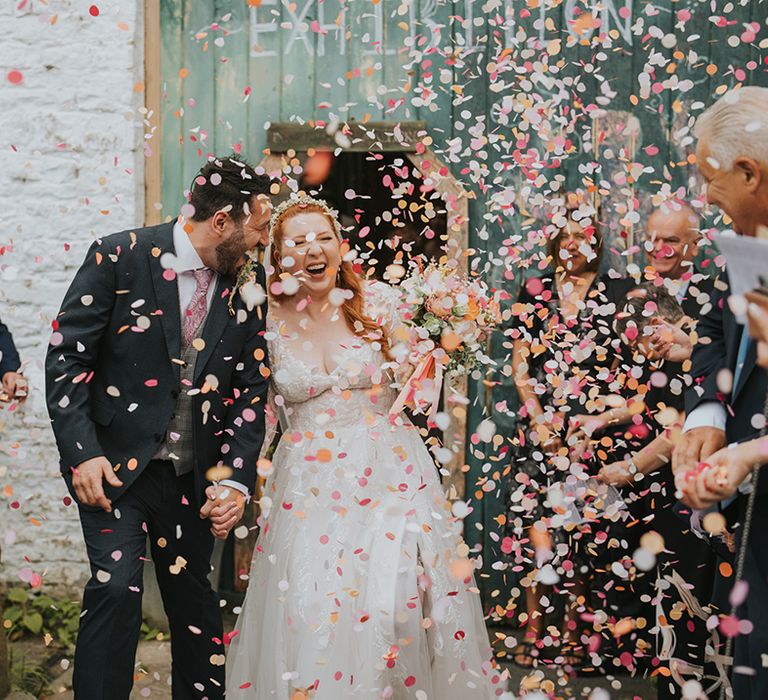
[
  {"x": 726, "y": 403},
  {"x": 672, "y": 233}
]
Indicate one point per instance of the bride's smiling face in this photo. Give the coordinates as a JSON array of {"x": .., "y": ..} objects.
[{"x": 311, "y": 251}]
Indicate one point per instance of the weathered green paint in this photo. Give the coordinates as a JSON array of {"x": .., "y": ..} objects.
[{"x": 295, "y": 74}]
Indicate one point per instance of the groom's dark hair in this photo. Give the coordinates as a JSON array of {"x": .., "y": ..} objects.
[{"x": 226, "y": 182}]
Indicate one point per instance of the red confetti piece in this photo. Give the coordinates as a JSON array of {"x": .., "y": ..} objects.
[
  {"x": 93, "y": 11},
  {"x": 729, "y": 625},
  {"x": 15, "y": 77}
]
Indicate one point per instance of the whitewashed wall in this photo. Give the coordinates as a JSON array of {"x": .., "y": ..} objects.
[{"x": 71, "y": 169}]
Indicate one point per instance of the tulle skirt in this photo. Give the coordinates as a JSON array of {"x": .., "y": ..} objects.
[{"x": 360, "y": 585}]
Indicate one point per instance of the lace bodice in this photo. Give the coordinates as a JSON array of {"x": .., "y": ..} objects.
[{"x": 357, "y": 392}]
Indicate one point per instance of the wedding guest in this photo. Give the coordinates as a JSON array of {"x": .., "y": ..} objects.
[
  {"x": 13, "y": 383},
  {"x": 727, "y": 402},
  {"x": 672, "y": 244},
  {"x": 728, "y": 468},
  {"x": 656, "y": 412},
  {"x": 672, "y": 241},
  {"x": 564, "y": 348},
  {"x": 644, "y": 311}
]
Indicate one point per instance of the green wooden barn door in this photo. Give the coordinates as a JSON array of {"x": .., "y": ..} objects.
[{"x": 230, "y": 68}]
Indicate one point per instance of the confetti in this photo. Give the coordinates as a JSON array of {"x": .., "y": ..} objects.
[{"x": 501, "y": 168}]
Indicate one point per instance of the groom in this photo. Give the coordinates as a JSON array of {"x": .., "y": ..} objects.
[{"x": 156, "y": 389}]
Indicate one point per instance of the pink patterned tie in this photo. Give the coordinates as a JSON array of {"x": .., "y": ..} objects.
[{"x": 198, "y": 307}]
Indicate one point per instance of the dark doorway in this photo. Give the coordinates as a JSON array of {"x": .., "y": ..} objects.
[{"x": 393, "y": 215}]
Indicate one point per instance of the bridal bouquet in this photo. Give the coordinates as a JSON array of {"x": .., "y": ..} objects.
[{"x": 449, "y": 316}]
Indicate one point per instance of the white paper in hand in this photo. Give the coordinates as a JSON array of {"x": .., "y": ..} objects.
[{"x": 747, "y": 265}]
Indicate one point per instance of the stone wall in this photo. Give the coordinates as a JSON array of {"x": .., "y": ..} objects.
[{"x": 71, "y": 169}]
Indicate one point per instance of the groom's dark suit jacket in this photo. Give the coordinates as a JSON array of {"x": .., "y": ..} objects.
[{"x": 112, "y": 369}]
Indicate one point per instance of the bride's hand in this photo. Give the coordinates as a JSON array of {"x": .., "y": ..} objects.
[{"x": 403, "y": 372}]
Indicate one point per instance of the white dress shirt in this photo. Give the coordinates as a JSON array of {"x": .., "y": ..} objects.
[
  {"x": 682, "y": 289},
  {"x": 184, "y": 265},
  {"x": 710, "y": 414}
]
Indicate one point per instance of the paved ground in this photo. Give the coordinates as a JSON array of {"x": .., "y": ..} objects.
[{"x": 154, "y": 663}]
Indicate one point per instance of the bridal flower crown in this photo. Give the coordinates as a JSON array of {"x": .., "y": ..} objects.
[
  {"x": 301, "y": 202},
  {"x": 247, "y": 275}
]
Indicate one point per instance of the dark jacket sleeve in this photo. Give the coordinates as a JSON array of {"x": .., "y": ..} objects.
[
  {"x": 709, "y": 353},
  {"x": 9, "y": 358},
  {"x": 71, "y": 358},
  {"x": 245, "y": 417}
]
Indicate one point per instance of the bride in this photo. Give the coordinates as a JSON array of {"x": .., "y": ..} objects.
[{"x": 360, "y": 586}]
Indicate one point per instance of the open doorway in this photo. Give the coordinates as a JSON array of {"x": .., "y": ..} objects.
[{"x": 386, "y": 209}]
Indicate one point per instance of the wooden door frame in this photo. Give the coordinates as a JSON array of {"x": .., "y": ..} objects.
[{"x": 152, "y": 143}]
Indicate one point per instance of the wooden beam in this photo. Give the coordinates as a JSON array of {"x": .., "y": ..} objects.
[
  {"x": 352, "y": 137},
  {"x": 153, "y": 191}
]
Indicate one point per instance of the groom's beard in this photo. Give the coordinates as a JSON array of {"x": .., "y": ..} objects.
[{"x": 229, "y": 253}]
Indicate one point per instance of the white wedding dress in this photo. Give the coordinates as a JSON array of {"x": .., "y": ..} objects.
[{"x": 359, "y": 587}]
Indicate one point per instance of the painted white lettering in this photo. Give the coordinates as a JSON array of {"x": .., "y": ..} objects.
[
  {"x": 331, "y": 27},
  {"x": 260, "y": 28},
  {"x": 300, "y": 27}
]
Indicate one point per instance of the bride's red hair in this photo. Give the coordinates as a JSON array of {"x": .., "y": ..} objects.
[{"x": 353, "y": 310}]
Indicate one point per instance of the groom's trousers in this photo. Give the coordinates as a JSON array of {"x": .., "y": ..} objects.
[{"x": 160, "y": 505}]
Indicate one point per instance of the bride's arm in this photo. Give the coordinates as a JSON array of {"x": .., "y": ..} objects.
[{"x": 272, "y": 428}]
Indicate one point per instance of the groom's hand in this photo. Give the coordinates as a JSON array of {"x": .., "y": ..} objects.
[
  {"x": 87, "y": 482},
  {"x": 224, "y": 507},
  {"x": 14, "y": 385}
]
